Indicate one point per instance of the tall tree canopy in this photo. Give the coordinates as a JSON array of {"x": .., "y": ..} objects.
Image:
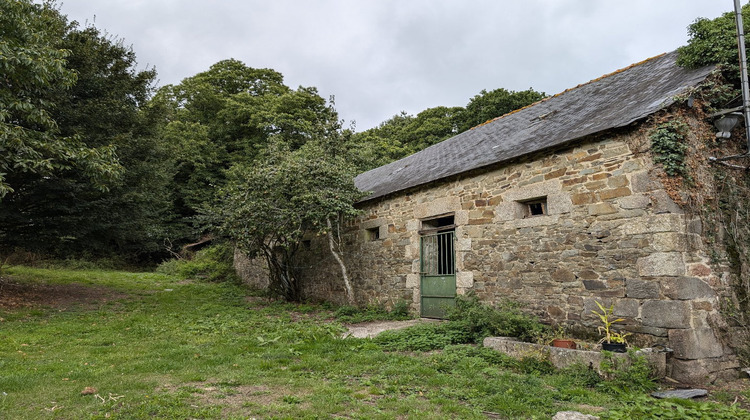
[
  {"x": 98, "y": 113},
  {"x": 404, "y": 134},
  {"x": 488, "y": 105},
  {"x": 225, "y": 116},
  {"x": 714, "y": 41},
  {"x": 32, "y": 70}
]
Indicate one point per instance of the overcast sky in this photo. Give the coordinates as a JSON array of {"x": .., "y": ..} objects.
[{"x": 380, "y": 57}]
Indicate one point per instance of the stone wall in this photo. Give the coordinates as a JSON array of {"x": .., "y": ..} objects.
[{"x": 611, "y": 234}]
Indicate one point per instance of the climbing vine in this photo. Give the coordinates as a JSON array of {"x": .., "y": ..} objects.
[
  {"x": 668, "y": 146},
  {"x": 733, "y": 217}
]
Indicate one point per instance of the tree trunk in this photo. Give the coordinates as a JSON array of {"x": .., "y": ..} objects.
[{"x": 337, "y": 257}]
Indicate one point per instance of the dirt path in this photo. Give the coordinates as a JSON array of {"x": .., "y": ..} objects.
[
  {"x": 14, "y": 295},
  {"x": 371, "y": 329}
]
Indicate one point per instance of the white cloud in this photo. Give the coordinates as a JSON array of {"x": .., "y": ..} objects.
[{"x": 379, "y": 57}]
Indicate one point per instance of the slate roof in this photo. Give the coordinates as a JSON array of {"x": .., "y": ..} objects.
[{"x": 611, "y": 101}]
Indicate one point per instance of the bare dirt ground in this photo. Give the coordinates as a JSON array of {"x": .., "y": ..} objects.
[
  {"x": 16, "y": 295},
  {"x": 371, "y": 329}
]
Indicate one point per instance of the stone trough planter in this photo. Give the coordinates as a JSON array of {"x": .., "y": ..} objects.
[{"x": 561, "y": 357}]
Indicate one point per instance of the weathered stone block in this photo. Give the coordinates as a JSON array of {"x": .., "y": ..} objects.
[
  {"x": 555, "y": 174},
  {"x": 555, "y": 312},
  {"x": 604, "y": 175},
  {"x": 588, "y": 275},
  {"x": 695, "y": 225},
  {"x": 694, "y": 371},
  {"x": 618, "y": 181},
  {"x": 412, "y": 280},
  {"x": 699, "y": 270},
  {"x": 655, "y": 331},
  {"x": 669, "y": 241},
  {"x": 601, "y": 208},
  {"x": 626, "y": 308},
  {"x": 614, "y": 193},
  {"x": 654, "y": 224},
  {"x": 661, "y": 264},
  {"x": 594, "y": 285},
  {"x": 559, "y": 203},
  {"x": 437, "y": 206},
  {"x": 663, "y": 203},
  {"x": 463, "y": 244},
  {"x": 632, "y": 202},
  {"x": 687, "y": 288},
  {"x": 643, "y": 182},
  {"x": 465, "y": 279},
  {"x": 666, "y": 314},
  {"x": 562, "y": 275},
  {"x": 583, "y": 198},
  {"x": 698, "y": 343}
]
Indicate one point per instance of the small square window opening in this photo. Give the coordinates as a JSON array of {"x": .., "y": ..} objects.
[
  {"x": 372, "y": 234},
  {"x": 536, "y": 207}
]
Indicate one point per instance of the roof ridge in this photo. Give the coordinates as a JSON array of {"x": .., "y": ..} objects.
[{"x": 570, "y": 89}]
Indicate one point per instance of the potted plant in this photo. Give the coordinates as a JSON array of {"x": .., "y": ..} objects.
[
  {"x": 562, "y": 340},
  {"x": 612, "y": 341}
]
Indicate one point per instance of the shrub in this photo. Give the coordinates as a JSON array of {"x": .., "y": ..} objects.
[
  {"x": 448, "y": 360},
  {"x": 648, "y": 408},
  {"x": 213, "y": 263},
  {"x": 470, "y": 321},
  {"x": 423, "y": 337},
  {"x": 628, "y": 376},
  {"x": 579, "y": 374},
  {"x": 372, "y": 312},
  {"x": 505, "y": 319}
]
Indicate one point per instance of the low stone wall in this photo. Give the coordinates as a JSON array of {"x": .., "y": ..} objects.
[
  {"x": 560, "y": 357},
  {"x": 253, "y": 272}
]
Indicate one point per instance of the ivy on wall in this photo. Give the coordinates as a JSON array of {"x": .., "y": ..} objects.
[{"x": 668, "y": 146}]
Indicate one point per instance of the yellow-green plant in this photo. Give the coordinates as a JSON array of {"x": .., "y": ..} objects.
[{"x": 606, "y": 317}]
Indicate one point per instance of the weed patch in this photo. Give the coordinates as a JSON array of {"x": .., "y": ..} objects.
[
  {"x": 213, "y": 264},
  {"x": 372, "y": 312},
  {"x": 506, "y": 319},
  {"x": 648, "y": 408}
]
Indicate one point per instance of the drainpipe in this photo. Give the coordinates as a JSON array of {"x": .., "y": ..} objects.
[{"x": 743, "y": 70}]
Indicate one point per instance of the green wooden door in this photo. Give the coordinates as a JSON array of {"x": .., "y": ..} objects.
[{"x": 438, "y": 274}]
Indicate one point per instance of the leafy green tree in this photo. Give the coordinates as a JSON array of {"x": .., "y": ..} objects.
[
  {"x": 488, "y": 105},
  {"x": 32, "y": 67},
  {"x": 269, "y": 206},
  {"x": 64, "y": 211},
  {"x": 404, "y": 134},
  {"x": 226, "y": 116},
  {"x": 713, "y": 41}
]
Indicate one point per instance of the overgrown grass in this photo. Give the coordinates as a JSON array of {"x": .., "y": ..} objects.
[
  {"x": 213, "y": 263},
  {"x": 373, "y": 312},
  {"x": 170, "y": 348},
  {"x": 470, "y": 321}
]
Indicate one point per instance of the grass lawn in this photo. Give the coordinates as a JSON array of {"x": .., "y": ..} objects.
[{"x": 108, "y": 344}]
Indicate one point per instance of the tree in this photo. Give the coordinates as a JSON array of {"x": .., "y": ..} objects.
[
  {"x": 64, "y": 211},
  {"x": 224, "y": 117},
  {"x": 404, "y": 134},
  {"x": 32, "y": 68},
  {"x": 713, "y": 41},
  {"x": 268, "y": 207},
  {"x": 488, "y": 105}
]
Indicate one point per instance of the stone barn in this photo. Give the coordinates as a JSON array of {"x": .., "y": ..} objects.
[{"x": 556, "y": 205}]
